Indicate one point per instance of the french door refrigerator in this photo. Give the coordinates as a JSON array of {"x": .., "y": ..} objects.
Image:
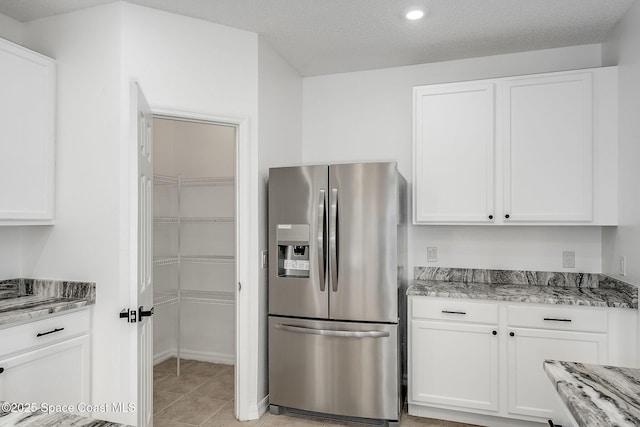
[{"x": 335, "y": 268}]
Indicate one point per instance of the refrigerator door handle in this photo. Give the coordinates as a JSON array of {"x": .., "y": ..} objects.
[
  {"x": 332, "y": 332},
  {"x": 321, "y": 263},
  {"x": 333, "y": 239}
]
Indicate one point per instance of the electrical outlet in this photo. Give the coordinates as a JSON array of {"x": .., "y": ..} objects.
[
  {"x": 623, "y": 265},
  {"x": 568, "y": 259},
  {"x": 432, "y": 254}
]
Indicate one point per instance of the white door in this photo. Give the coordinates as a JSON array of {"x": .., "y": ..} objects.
[{"x": 143, "y": 138}]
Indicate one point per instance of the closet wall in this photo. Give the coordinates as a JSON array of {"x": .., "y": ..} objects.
[{"x": 194, "y": 241}]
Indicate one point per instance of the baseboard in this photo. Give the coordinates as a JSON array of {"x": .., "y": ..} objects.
[
  {"x": 202, "y": 356},
  {"x": 468, "y": 417},
  {"x": 161, "y": 357},
  {"x": 263, "y": 405}
]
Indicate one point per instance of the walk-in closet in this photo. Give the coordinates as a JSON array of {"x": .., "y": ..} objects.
[{"x": 194, "y": 241}]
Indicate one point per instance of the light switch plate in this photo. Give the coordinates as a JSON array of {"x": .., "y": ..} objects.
[
  {"x": 623, "y": 265},
  {"x": 432, "y": 254},
  {"x": 265, "y": 259},
  {"x": 568, "y": 259}
]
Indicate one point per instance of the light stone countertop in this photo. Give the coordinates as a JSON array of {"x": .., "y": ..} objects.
[
  {"x": 23, "y": 300},
  {"x": 10, "y": 415},
  {"x": 623, "y": 297},
  {"x": 597, "y": 395}
]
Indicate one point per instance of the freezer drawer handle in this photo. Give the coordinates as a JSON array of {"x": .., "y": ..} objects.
[
  {"x": 453, "y": 312},
  {"x": 331, "y": 332}
]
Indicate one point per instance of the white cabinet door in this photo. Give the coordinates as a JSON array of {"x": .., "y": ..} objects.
[
  {"x": 530, "y": 391},
  {"x": 27, "y": 136},
  {"x": 57, "y": 374},
  {"x": 454, "y": 129},
  {"x": 548, "y": 148},
  {"x": 453, "y": 364}
]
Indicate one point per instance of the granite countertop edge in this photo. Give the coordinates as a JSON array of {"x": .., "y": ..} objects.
[
  {"x": 578, "y": 296},
  {"x": 27, "y": 300},
  {"x": 42, "y": 311},
  {"x": 597, "y": 395}
]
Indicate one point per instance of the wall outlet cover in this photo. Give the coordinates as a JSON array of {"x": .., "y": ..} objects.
[
  {"x": 568, "y": 259},
  {"x": 432, "y": 254},
  {"x": 623, "y": 266}
]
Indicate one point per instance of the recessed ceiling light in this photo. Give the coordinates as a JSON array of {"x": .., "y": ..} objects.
[{"x": 413, "y": 15}]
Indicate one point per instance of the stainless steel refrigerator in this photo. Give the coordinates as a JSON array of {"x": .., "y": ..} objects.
[{"x": 336, "y": 264}]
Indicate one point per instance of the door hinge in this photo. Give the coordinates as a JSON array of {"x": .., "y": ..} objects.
[{"x": 130, "y": 315}]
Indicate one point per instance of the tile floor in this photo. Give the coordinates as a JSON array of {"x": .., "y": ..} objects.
[{"x": 203, "y": 396}]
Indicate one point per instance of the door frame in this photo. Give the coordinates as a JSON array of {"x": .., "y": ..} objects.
[{"x": 246, "y": 210}]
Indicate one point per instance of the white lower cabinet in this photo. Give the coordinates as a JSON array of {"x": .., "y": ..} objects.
[
  {"x": 480, "y": 362},
  {"x": 448, "y": 383},
  {"x": 531, "y": 393},
  {"x": 52, "y": 368}
]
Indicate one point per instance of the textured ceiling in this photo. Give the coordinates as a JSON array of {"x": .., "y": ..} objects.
[{"x": 332, "y": 36}]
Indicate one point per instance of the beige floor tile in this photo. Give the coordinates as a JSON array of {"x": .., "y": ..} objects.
[
  {"x": 167, "y": 423},
  {"x": 410, "y": 421},
  {"x": 205, "y": 369},
  {"x": 162, "y": 399},
  {"x": 182, "y": 384},
  {"x": 191, "y": 410},
  {"x": 226, "y": 418},
  {"x": 454, "y": 424},
  {"x": 218, "y": 387},
  {"x": 293, "y": 420},
  {"x": 159, "y": 376}
]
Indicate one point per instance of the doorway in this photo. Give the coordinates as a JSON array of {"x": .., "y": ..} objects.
[{"x": 195, "y": 269}]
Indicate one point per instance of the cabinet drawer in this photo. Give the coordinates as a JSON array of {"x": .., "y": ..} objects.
[
  {"x": 451, "y": 309},
  {"x": 51, "y": 330},
  {"x": 554, "y": 317}
]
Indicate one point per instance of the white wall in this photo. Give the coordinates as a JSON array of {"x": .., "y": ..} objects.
[
  {"x": 623, "y": 49},
  {"x": 195, "y": 66},
  {"x": 10, "y": 242},
  {"x": 84, "y": 243},
  {"x": 280, "y": 133},
  {"x": 10, "y": 253},
  {"x": 192, "y": 65},
  {"x": 11, "y": 29},
  {"x": 367, "y": 116}
]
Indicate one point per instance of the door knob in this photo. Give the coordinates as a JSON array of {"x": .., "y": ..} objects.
[{"x": 142, "y": 313}]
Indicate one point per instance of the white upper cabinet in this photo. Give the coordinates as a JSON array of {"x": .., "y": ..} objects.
[
  {"x": 538, "y": 149},
  {"x": 548, "y": 146},
  {"x": 451, "y": 120},
  {"x": 27, "y": 136}
]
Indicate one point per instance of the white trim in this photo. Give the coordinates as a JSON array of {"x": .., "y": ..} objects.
[
  {"x": 263, "y": 405},
  {"x": 246, "y": 378}
]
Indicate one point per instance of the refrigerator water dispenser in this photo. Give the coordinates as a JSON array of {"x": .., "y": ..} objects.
[{"x": 293, "y": 250}]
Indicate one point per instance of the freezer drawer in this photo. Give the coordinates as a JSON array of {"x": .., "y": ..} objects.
[{"x": 340, "y": 368}]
